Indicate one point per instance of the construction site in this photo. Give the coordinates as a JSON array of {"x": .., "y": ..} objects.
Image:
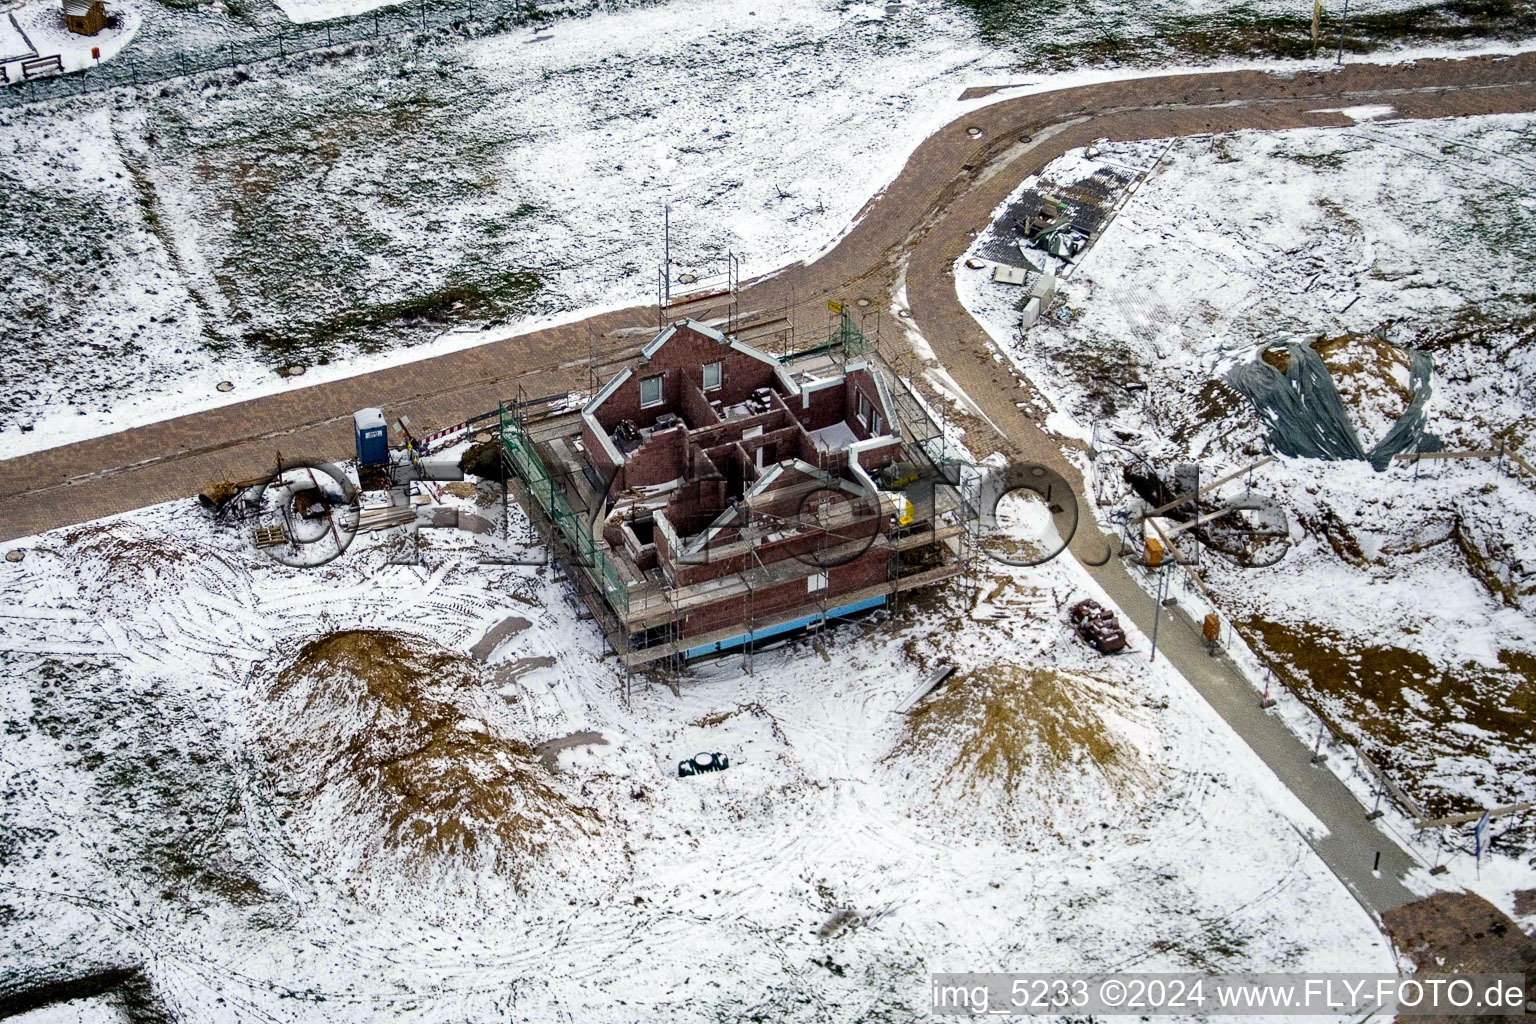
[{"x": 710, "y": 496}]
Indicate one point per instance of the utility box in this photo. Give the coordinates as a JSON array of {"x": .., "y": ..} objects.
[
  {"x": 1044, "y": 287},
  {"x": 372, "y": 437},
  {"x": 1030, "y": 314}
]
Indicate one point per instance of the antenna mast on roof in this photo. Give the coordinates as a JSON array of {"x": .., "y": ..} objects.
[
  {"x": 664, "y": 271},
  {"x": 592, "y": 360},
  {"x": 732, "y": 284}
]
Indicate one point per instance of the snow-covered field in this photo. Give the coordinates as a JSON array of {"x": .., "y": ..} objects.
[
  {"x": 301, "y": 11},
  {"x": 207, "y": 779},
  {"x": 1404, "y": 607},
  {"x": 345, "y": 210},
  {"x": 363, "y": 204}
]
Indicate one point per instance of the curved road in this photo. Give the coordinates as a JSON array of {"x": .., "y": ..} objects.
[
  {"x": 922, "y": 221},
  {"x": 919, "y": 226}
]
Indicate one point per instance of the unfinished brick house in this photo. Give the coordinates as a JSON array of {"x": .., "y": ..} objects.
[{"x": 712, "y": 495}]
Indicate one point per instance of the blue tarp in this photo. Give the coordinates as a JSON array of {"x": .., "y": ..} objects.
[{"x": 783, "y": 627}]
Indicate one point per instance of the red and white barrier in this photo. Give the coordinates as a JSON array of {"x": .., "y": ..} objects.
[{"x": 447, "y": 432}]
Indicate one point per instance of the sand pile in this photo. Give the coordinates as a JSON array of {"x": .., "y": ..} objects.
[
  {"x": 365, "y": 746},
  {"x": 1031, "y": 743}
]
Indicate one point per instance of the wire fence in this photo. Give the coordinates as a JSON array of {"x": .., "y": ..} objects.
[{"x": 421, "y": 19}]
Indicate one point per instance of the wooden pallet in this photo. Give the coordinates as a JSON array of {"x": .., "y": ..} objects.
[{"x": 269, "y": 536}]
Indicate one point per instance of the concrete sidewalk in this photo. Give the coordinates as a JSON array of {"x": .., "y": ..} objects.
[{"x": 1350, "y": 847}]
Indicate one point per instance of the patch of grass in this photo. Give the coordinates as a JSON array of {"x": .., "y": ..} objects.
[
  {"x": 1218, "y": 944},
  {"x": 754, "y": 709},
  {"x": 346, "y": 219},
  {"x": 1215, "y": 403},
  {"x": 1316, "y": 161},
  {"x": 1242, "y": 33},
  {"x": 1502, "y": 325},
  {"x": 1104, "y": 371},
  {"x": 166, "y": 803},
  {"x": 372, "y": 328}
]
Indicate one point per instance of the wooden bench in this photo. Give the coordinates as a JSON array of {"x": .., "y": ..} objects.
[{"x": 42, "y": 66}]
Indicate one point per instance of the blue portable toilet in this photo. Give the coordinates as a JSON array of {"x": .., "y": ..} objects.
[{"x": 372, "y": 437}]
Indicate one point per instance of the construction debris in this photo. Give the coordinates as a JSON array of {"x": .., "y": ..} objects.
[
  {"x": 1098, "y": 626},
  {"x": 927, "y": 686}
]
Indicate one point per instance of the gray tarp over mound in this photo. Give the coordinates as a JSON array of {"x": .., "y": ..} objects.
[{"x": 1306, "y": 418}]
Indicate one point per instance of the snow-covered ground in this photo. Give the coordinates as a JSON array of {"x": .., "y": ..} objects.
[
  {"x": 1048, "y": 807},
  {"x": 302, "y": 11},
  {"x": 13, "y": 44},
  {"x": 40, "y": 27},
  {"x": 1404, "y": 607},
  {"x": 348, "y": 211},
  {"x": 355, "y": 207}
]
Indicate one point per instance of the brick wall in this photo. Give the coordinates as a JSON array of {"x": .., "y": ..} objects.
[
  {"x": 596, "y": 454},
  {"x": 663, "y": 457},
  {"x": 688, "y": 351},
  {"x": 879, "y": 457},
  {"x": 769, "y": 602},
  {"x": 781, "y": 444},
  {"x": 715, "y": 560},
  {"x": 861, "y": 383},
  {"x": 827, "y": 406},
  {"x": 694, "y": 505},
  {"x": 731, "y": 430},
  {"x": 696, "y": 410}
]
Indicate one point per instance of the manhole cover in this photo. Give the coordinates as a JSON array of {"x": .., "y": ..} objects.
[
  {"x": 296, "y": 370},
  {"x": 226, "y": 385},
  {"x": 15, "y": 555},
  {"x": 973, "y": 132},
  {"x": 905, "y": 314},
  {"x": 863, "y": 302},
  {"x": 687, "y": 278}
]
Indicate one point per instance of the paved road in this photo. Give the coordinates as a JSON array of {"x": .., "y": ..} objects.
[
  {"x": 1349, "y": 848},
  {"x": 923, "y": 219},
  {"x": 962, "y": 346},
  {"x": 919, "y": 226}
]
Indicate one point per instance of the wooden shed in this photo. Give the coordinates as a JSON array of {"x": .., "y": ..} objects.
[{"x": 85, "y": 17}]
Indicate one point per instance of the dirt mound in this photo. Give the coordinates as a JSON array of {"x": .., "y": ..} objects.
[
  {"x": 1021, "y": 736},
  {"x": 484, "y": 460},
  {"x": 363, "y": 739},
  {"x": 1439, "y": 730},
  {"x": 1460, "y": 931},
  {"x": 122, "y": 567},
  {"x": 1372, "y": 377}
]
